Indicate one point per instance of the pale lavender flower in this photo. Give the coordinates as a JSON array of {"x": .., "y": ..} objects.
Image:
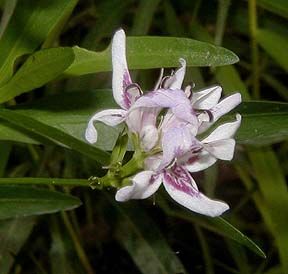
[
  {"x": 188, "y": 114},
  {"x": 139, "y": 111},
  {"x": 178, "y": 182},
  {"x": 125, "y": 93},
  {"x": 182, "y": 152}
]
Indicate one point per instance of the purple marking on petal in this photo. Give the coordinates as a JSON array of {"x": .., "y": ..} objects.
[
  {"x": 127, "y": 99},
  {"x": 126, "y": 79},
  {"x": 153, "y": 178},
  {"x": 193, "y": 159},
  {"x": 126, "y": 82},
  {"x": 180, "y": 179}
]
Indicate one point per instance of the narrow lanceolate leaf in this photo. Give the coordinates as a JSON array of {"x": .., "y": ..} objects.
[
  {"x": 154, "y": 52},
  {"x": 218, "y": 225},
  {"x": 12, "y": 239},
  {"x": 279, "y": 7},
  {"x": 69, "y": 113},
  {"x": 19, "y": 201},
  {"x": 275, "y": 45},
  {"x": 263, "y": 123},
  {"x": 31, "y": 23},
  {"x": 40, "y": 68},
  {"x": 142, "y": 239},
  {"x": 53, "y": 134},
  {"x": 272, "y": 185}
]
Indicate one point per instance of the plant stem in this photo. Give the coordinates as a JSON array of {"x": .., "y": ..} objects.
[
  {"x": 205, "y": 250},
  {"x": 252, "y": 8},
  {"x": 223, "y": 7},
  {"x": 79, "y": 249},
  {"x": 47, "y": 181}
]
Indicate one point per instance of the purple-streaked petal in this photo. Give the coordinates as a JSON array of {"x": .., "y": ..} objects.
[
  {"x": 197, "y": 162},
  {"x": 221, "y": 149},
  {"x": 176, "y": 100},
  {"x": 207, "y": 98},
  {"x": 171, "y": 121},
  {"x": 225, "y": 131},
  {"x": 175, "y": 143},
  {"x": 221, "y": 109},
  {"x": 182, "y": 188},
  {"x": 167, "y": 98},
  {"x": 121, "y": 78},
  {"x": 144, "y": 184},
  {"x": 178, "y": 77},
  {"x": 110, "y": 117}
]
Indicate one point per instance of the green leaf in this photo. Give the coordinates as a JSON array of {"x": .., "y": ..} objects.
[
  {"x": 279, "y": 7},
  {"x": 231, "y": 82},
  {"x": 145, "y": 13},
  {"x": 40, "y": 68},
  {"x": 8, "y": 9},
  {"x": 218, "y": 225},
  {"x": 273, "y": 188},
  {"x": 4, "y": 156},
  {"x": 13, "y": 234},
  {"x": 119, "y": 149},
  {"x": 142, "y": 239},
  {"x": 55, "y": 135},
  {"x": 58, "y": 27},
  {"x": 109, "y": 19},
  {"x": 263, "y": 122},
  {"x": 69, "y": 113},
  {"x": 275, "y": 45},
  {"x": 29, "y": 26},
  {"x": 19, "y": 201},
  {"x": 153, "y": 52}
]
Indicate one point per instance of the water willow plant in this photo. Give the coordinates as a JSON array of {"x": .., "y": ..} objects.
[{"x": 170, "y": 150}]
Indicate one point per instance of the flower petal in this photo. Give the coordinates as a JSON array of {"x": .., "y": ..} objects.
[
  {"x": 171, "y": 121},
  {"x": 221, "y": 109},
  {"x": 140, "y": 118},
  {"x": 207, "y": 98},
  {"x": 110, "y": 117},
  {"x": 225, "y": 131},
  {"x": 175, "y": 143},
  {"x": 182, "y": 188},
  {"x": 121, "y": 78},
  {"x": 225, "y": 106},
  {"x": 144, "y": 184},
  {"x": 167, "y": 98},
  {"x": 153, "y": 162},
  {"x": 197, "y": 162},
  {"x": 221, "y": 149},
  {"x": 178, "y": 77}
]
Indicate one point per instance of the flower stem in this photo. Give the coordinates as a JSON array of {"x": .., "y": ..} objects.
[
  {"x": 79, "y": 249},
  {"x": 46, "y": 181},
  {"x": 254, "y": 48},
  {"x": 223, "y": 7}
]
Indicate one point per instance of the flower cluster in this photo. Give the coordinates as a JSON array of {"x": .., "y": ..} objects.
[{"x": 167, "y": 122}]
